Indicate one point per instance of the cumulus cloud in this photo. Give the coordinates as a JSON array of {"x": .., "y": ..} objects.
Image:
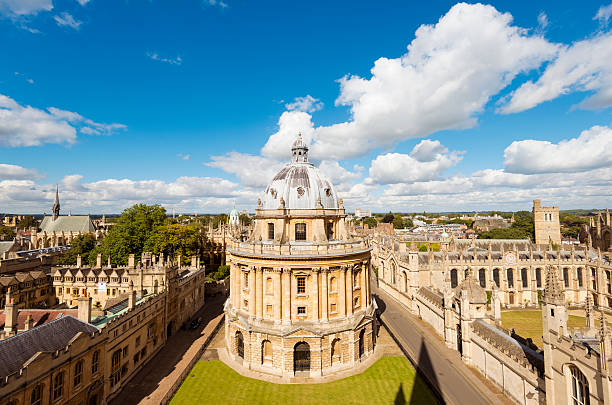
[
  {"x": 14, "y": 172},
  {"x": 251, "y": 170},
  {"x": 588, "y": 151},
  {"x": 15, "y": 8},
  {"x": 29, "y": 126},
  {"x": 427, "y": 161},
  {"x": 290, "y": 124},
  {"x": 83, "y": 2},
  {"x": 338, "y": 174},
  {"x": 65, "y": 19},
  {"x": 307, "y": 104},
  {"x": 183, "y": 156},
  {"x": 449, "y": 73},
  {"x": 218, "y": 3},
  {"x": 584, "y": 66},
  {"x": 171, "y": 61}
]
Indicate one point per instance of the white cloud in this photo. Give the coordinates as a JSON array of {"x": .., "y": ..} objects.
[
  {"x": 14, "y": 172},
  {"x": 584, "y": 66},
  {"x": 16, "y": 8},
  {"x": 29, "y": 126},
  {"x": 603, "y": 14},
  {"x": 338, "y": 174},
  {"x": 253, "y": 171},
  {"x": 307, "y": 104},
  {"x": 171, "y": 61},
  {"x": 450, "y": 72},
  {"x": 183, "y": 156},
  {"x": 542, "y": 21},
  {"x": 219, "y": 3},
  {"x": 427, "y": 161},
  {"x": 67, "y": 20},
  {"x": 83, "y": 2},
  {"x": 290, "y": 124},
  {"x": 588, "y": 151}
]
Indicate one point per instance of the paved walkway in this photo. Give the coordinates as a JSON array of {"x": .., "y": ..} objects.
[
  {"x": 439, "y": 365},
  {"x": 161, "y": 373}
]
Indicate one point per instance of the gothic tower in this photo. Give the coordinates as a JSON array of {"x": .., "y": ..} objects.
[{"x": 546, "y": 223}]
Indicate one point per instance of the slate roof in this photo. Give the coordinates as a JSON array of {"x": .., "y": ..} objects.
[
  {"x": 39, "y": 316},
  {"x": 432, "y": 296},
  {"x": 5, "y": 246},
  {"x": 50, "y": 337},
  {"x": 67, "y": 224}
]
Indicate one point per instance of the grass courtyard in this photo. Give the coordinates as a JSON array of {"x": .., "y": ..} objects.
[
  {"x": 391, "y": 380},
  {"x": 528, "y": 324}
]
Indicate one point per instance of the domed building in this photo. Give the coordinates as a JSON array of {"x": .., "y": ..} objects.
[{"x": 300, "y": 301}]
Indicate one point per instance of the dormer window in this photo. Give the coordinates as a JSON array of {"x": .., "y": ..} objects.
[
  {"x": 300, "y": 231},
  {"x": 270, "y": 231}
]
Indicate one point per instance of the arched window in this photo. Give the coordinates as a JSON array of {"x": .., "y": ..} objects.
[
  {"x": 239, "y": 344},
  {"x": 482, "y": 278},
  {"x": 95, "y": 361},
  {"x": 453, "y": 277},
  {"x": 300, "y": 231},
  {"x": 335, "y": 351},
  {"x": 356, "y": 276},
  {"x": 333, "y": 285},
  {"x": 266, "y": 352},
  {"x": 579, "y": 391},
  {"x": 566, "y": 277},
  {"x": 269, "y": 286},
  {"x": 270, "y": 231},
  {"x": 539, "y": 278},
  {"x": 496, "y": 277},
  {"x": 510, "y": 274},
  {"x": 579, "y": 276},
  {"x": 405, "y": 281},
  {"x": 35, "y": 396},
  {"x": 524, "y": 278},
  {"x": 78, "y": 373},
  {"x": 393, "y": 271}
]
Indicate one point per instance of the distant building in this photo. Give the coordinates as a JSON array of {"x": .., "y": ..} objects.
[
  {"x": 361, "y": 213},
  {"x": 598, "y": 234},
  {"x": 484, "y": 224}
]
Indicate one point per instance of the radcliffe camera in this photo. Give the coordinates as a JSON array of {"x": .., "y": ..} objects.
[{"x": 234, "y": 202}]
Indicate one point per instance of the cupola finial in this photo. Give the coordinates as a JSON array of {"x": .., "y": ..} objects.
[{"x": 299, "y": 150}]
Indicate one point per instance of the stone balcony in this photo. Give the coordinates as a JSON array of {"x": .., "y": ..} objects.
[{"x": 298, "y": 249}]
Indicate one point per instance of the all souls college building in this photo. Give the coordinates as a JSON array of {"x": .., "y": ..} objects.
[{"x": 300, "y": 302}]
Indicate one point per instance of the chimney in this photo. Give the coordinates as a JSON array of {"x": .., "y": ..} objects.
[
  {"x": 79, "y": 261},
  {"x": 29, "y": 323},
  {"x": 132, "y": 296},
  {"x": 194, "y": 262},
  {"x": 99, "y": 260},
  {"x": 178, "y": 261},
  {"x": 10, "y": 315},
  {"x": 84, "y": 311},
  {"x": 132, "y": 261},
  {"x": 109, "y": 262}
]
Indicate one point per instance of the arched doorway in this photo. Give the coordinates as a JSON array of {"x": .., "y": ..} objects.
[
  {"x": 361, "y": 342},
  {"x": 239, "y": 345},
  {"x": 301, "y": 358}
]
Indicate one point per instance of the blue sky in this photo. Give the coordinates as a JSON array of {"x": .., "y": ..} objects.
[{"x": 192, "y": 103}]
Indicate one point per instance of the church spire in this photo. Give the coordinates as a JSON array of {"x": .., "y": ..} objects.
[
  {"x": 552, "y": 291},
  {"x": 56, "y": 204}
]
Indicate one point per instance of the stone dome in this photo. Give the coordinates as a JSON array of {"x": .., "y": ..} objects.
[{"x": 300, "y": 184}]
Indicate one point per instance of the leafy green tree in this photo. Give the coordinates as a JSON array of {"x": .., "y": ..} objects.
[
  {"x": 221, "y": 218},
  {"x": 408, "y": 223},
  {"x": 222, "y": 273},
  {"x": 132, "y": 230},
  {"x": 245, "y": 219},
  {"x": 175, "y": 239},
  {"x": 81, "y": 245},
  {"x": 27, "y": 222},
  {"x": 6, "y": 233},
  {"x": 388, "y": 218},
  {"x": 370, "y": 221}
]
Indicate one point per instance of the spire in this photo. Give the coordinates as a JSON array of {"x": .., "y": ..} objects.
[
  {"x": 299, "y": 150},
  {"x": 552, "y": 291},
  {"x": 56, "y": 204}
]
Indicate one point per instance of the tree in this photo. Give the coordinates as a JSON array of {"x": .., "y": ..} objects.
[
  {"x": 6, "y": 233},
  {"x": 173, "y": 240},
  {"x": 82, "y": 245},
  {"x": 408, "y": 223},
  {"x": 398, "y": 223},
  {"x": 522, "y": 228},
  {"x": 221, "y": 218},
  {"x": 222, "y": 273},
  {"x": 370, "y": 221},
  {"x": 245, "y": 219},
  {"x": 133, "y": 228},
  {"x": 388, "y": 218},
  {"x": 27, "y": 222}
]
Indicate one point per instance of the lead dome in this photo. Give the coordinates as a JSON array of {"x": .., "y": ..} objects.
[{"x": 300, "y": 184}]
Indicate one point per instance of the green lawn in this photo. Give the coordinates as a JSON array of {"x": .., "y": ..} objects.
[
  {"x": 391, "y": 380},
  {"x": 528, "y": 324}
]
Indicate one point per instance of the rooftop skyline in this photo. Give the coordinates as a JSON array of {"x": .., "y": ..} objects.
[{"x": 194, "y": 104}]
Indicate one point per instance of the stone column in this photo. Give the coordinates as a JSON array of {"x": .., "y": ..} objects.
[
  {"x": 252, "y": 292},
  {"x": 342, "y": 293},
  {"x": 367, "y": 282},
  {"x": 315, "y": 294},
  {"x": 363, "y": 287},
  {"x": 238, "y": 287},
  {"x": 324, "y": 295},
  {"x": 277, "y": 295},
  {"x": 349, "y": 291},
  {"x": 259, "y": 292},
  {"x": 286, "y": 296}
]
